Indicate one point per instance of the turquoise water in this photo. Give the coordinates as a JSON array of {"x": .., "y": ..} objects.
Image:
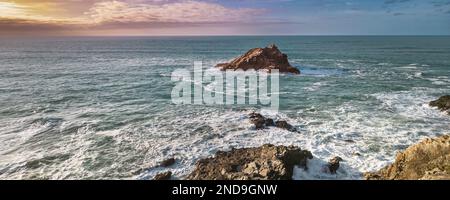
[{"x": 100, "y": 108}]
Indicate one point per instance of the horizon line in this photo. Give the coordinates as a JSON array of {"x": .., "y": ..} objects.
[{"x": 237, "y": 35}]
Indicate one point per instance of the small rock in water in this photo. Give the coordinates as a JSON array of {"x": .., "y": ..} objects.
[
  {"x": 163, "y": 176},
  {"x": 261, "y": 122},
  {"x": 443, "y": 103},
  {"x": 270, "y": 122},
  {"x": 333, "y": 164},
  {"x": 284, "y": 125},
  {"x": 168, "y": 162},
  {"x": 258, "y": 120}
]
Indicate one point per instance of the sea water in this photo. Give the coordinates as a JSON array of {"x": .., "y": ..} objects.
[{"x": 100, "y": 107}]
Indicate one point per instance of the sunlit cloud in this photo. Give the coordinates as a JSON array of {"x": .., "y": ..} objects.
[
  {"x": 8, "y": 9},
  {"x": 130, "y": 17},
  {"x": 126, "y": 14},
  {"x": 186, "y": 11}
]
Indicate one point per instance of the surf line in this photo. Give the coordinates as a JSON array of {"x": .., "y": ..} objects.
[{"x": 189, "y": 190}]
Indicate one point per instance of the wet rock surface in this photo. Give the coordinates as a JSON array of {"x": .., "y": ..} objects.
[
  {"x": 443, "y": 103},
  {"x": 163, "y": 176},
  {"x": 427, "y": 160},
  {"x": 333, "y": 164},
  {"x": 267, "y": 162},
  {"x": 262, "y": 122},
  {"x": 168, "y": 162},
  {"x": 268, "y": 59}
]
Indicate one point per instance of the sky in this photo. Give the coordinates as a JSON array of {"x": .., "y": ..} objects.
[{"x": 224, "y": 17}]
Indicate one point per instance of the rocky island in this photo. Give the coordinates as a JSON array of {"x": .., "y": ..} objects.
[{"x": 268, "y": 59}]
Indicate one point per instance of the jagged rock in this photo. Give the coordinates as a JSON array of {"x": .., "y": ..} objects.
[
  {"x": 258, "y": 120},
  {"x": 333, "y": 164},
  {"x": 443, "y": 103},
  {"x": 163, "y": 176},
  {"x": 436, "y": 174},
  {"x": 168, "y": 162},
  {"x": 268, "y": 162},
  {"x": 284, "y": 125},
  {"x": 427, "y": 160},
  {"x": 261, "y": 122},
  {"x": 269, "y": 122},
  {"x": 268, "y": 59}
]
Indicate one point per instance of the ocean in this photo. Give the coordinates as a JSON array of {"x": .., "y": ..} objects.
[{"x": 100, "y": 107}]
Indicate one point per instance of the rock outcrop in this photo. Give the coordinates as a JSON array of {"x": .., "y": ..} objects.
[
  {"x": 284, "y": 125},
  {"x": 268, "y": 162},
  {"x": 333, "y": 164},
  {"x": 258, "y": 120},
  {"x": 163, "y": 176},
  {"x": 268, "y": 59},
  {"x": 427, "y": 160},
  {"x": 262, "y": 122},
  {"x": 443, "y": 103},
  {"x": 168, "y": 162}
]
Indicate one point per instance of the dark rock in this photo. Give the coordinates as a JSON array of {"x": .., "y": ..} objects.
[
  {"x": 268, "y": 59},
  {"x": 163, "y": 176},
  {"x": 333, "y": 164},
  {"x": 258, "y": 120},
  {"x": 427, "y": 160},
  {"x": 261, "y": 122},
  {"x": 284, "y": 125},
  {"x": 443, "y": 103},
  {"x": 349, "y": 141},
  {"x": 269, "y": 122},
  {"x": 268, "y": 162},
  {"x": 356, "y": 154},
  {"x": 168, "y": 162}
]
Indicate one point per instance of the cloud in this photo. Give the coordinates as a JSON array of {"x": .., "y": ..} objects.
[
  {"x": 177, "y": 12},
  {"x": 442, "y": 6},
  {"x": 137, "y": 14}
]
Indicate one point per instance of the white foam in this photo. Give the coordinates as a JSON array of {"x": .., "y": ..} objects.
[{"x": 315, "y": 86}]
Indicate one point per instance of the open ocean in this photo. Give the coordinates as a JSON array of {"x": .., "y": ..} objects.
[{"x": 100, "y": 107}]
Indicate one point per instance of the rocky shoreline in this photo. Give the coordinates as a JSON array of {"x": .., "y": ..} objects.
[
  {"x": 426, "y": 160},
  {"x": 268, "y": 162}
]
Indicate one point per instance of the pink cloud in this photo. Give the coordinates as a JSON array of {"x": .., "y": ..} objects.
[
  {"x": 138, "y": 16},
  {"x": 175, "y": 12}
]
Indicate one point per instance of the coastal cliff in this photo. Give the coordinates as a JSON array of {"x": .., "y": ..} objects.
[{"x": 427, "y": 160}]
